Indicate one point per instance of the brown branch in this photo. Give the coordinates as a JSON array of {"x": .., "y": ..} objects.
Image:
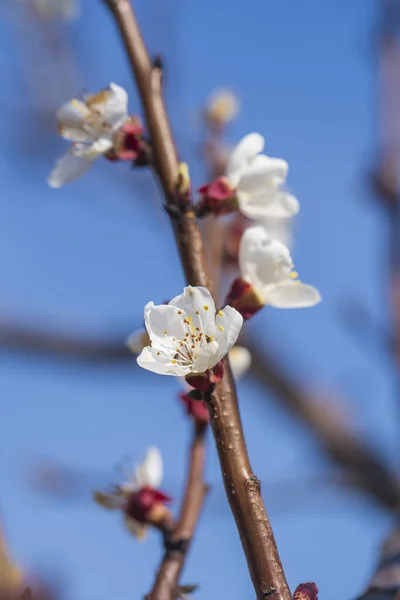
[
  {"x": 367, "y": 471},
  {"x": 241, "y": 486},
  {"x": 177, "y": 544}
]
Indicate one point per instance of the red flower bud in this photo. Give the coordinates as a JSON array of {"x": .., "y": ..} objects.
[
  {"x": 244, "y": 298},
  {"x": 199, "y": 381},
  {"x": 128, "y": 141},
  {"x": 144, "y": 503},
  {"x": 306, "y": 591},
  {"x": 218, "y": 197},
  {"x": 195, "y": 405}
]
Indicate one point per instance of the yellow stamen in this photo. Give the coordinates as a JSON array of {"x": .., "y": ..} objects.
[
  {"x": 220, "y": 327},
  {"x": 173, "y": 362},
  {"x": 220, "y": 313},
  {"x": 294, "y": 275},
  {"x": 165, "y": 332},
  {"x": 205, "y": 307}
]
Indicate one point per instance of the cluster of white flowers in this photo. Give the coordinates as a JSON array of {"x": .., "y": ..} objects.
[
  {"x": 264, "y": 257},
  {"x": 90, "y": 124},
  {"x": 188, "y": 336}
]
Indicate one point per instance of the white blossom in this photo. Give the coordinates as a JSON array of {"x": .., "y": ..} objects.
[
  {"x": 147, "y": 472},
  {"x": 258, "y": 180},
  {"x": 187, "y": 335},
  {"x": 267, "y": 265},
  {"x": 90, "y": 125}
]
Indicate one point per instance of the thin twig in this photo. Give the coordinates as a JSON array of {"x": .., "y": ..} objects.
[
  {"x": 177, "y": 544},
  {"x": 367, "y": 470},
  {"x": 241, "y": 486}
]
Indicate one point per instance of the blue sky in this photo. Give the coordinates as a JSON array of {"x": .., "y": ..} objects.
[{"x": 88, "y": 257}]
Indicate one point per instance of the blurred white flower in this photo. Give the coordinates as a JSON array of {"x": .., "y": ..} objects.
[
  {"x": 138, "y": 497},
  {"x": 240, "y": 361},
  {"x": 222, "y": 107},
  {"x": 266, "y": 264},
  {"x": 187, "y": 336},
  {"x": 257, "y": 179},
  {"x": 90, "y": 125}
]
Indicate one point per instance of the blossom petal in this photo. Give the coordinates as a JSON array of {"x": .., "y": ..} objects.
[
  {"x": 111, "y": 104},
  {"x": 150, "y": 470},
  {"x": 229, "y": 324},
  {"x": 268, "y": 203},
  {"x": 161, "y": 364},
  {"x": 293, "y": 294},
  {"x": 245, "y": 151},
  {"x": 139, "y": 530},
  {"x": 197, "y": 300},
  {"x": 263, "y": 172},
  {"x": 111, "y": 501},
  {"x": 263, "y": 261},
  {"x": 163, "y": 323},
  {"x": 70, "y": 117},
  {"x": 240, "y": 361},
  {"x": 283, "y": 205},
  {"x": 116, "y": 108},
  {"x": 68, "y": 168},
  {"x": 207, "y": 359},
  {"x": 94, "y": 150}
]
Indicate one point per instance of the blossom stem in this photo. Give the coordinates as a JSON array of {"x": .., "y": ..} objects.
[
  {"x": 241, "y": 486},
  {"x": 178, "y": 539}
]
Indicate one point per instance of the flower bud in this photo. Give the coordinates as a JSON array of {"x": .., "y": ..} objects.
[
  {"x": 147, "y": 506},
  {"x": 128, "y": 142},
  {"x": 306, "y": 591},
  {"x": 244, "y": 298},
  {"x": 217, "y": 197},
  {"x": 195, "y": 405}
]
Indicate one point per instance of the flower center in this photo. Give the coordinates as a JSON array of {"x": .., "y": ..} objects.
[{"x": 194, "y": 340}]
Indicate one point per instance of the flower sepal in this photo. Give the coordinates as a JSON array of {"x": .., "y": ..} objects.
[
  {"x": 218, "y": 198},
  {"x": 129, "y": 143},
  {"x": 202, "y": 381},
  {"x": 244, "y": 298},
  {"x": 195, "y": 405},
  {"x": 148, "y": 506}
]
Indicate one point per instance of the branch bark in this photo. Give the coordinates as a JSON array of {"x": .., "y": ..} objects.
[
  {"x": 177, "y": 545},
  {"x": 241, "y": 486}
]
